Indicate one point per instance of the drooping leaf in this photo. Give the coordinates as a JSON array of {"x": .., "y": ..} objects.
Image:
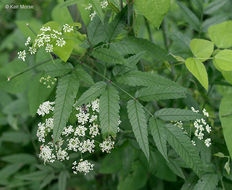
[
  {"x": 155, "y": 93},
  {"x": 197, "y": 68},
  {"x": 190, "y": 17},
  {"x": 176, "y": 169},
  {"x": 65, "y": 94},
  {"x": 183, "y": 146},
  {"x": 19, "y": 158},
  {"x": 92, "y": 93},
  {"x": 223, "y": 60},
  {"x": 175, "y": 114},
  {"x": 109, "y": 111},
  {"x": 207, "y": 182},
  {"x": 214, "y": 6},
  {"x": 138, "y": 122},
  {"x": 83, "y": 75},
  {"x": 202, "y": 48},
  {"x": 221, "y": 34},
  {"x": 159, "y": 136},
  {"x": 225, "y": 115},
  {"x": 153, "y": 10}
]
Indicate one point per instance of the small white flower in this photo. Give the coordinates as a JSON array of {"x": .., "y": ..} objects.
[
  {"x": 89, "y": 7},
  {"x": 92, "y": 15},
  {"x": 32, "y": 50},
  {"x": 62, "y": 155},
  {"x": 93, "y": 118},
  {"x": 193, "y": 109},
  {"x": 205, "y": 112},
  {"x": 68, "y": 130},
  {"x": 49, "y": 48},
  {"x": 53, "y": 36},
  {"x": 57, "y": 32},
  {"x": 73, "y": 144},
  {"x": 67, "y": 28},
  {"x": 46, "y": 153},
  {"x": 208, "y": 128},
  {"x": 41, "y": 132},
  {"x": 80, "y": 131},
  {"x": 95, "y": 105},
  {"x": 93, "y": 130},
  {"x": 28, "y": 41},
  {"x": 46, "y": 38},
  {"x": 86, "y": 146},
  {"x": 208, "y": 142},
  {"x": 107, "y": 145},
  {"x": 82, "y": 117},
  {"x": 104, "y": 4},
  {"x": 49, "y": 123},
  {"x": 22, "y": 55},
  {"x": 60, "y": 42},
  {"x": 45, "y": 108},
  {"x": 45, "y": 29},
  {"x": 83, "y": 167},
  {"x": 193, "y": 142}
]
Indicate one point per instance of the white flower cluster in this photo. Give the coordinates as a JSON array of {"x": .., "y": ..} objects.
[
  {"x": 47, "y": 38},
  {"x": 48, "y": 81},
  {"x": 104, "y": 5},
  {"x": 202, "y": 127},
  {"x": 76, "y": 138}
]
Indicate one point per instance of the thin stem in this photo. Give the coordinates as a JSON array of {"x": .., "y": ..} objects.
[
  {"x": 149, "y": 30},
  {"x": 121, "y": 4},
  {"x": 114, "y": 84},
  {"x": 28, "y": 25},
  {"x": 28, "y": 69}
]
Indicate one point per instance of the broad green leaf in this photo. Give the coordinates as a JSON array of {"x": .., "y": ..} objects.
[
  {"x": 221, "y": 34},
  {"x": 158, "y": 167},
  {"x": 202, "y": 49},
  {"x": 108, "y": 55},
  {"x": 214, "y": 6},
  {"x": 47, "y": 180},
  {"x": 136, "y": 178},
  {"x": 62, "y": 180},
  {"x": 153, "y": 10},
  {"x": 175, "y": 114},
  {"x": 96, "y": 31},
  {"x": 176, "y": 169},
  {"x": 109, "y": 111},
  {"x": 225, "y": 114},
  {"x": 197, "y": 68},
  {"x": 138, "y": 122},
  {"x": 19, "y": 158},
  {"x": 18, "y": 137},
  {"x": 183, "y": 146},
  {"x": 97, "y": 7},
  {"x": 138, "y": 78},
  {"x": 114, "y": 157},
  {"x": 83, "y": 75},
  {"x": 159, "y": 136},
  {"x": 190, "y": 17},
  {"x": 214, "y": 20},
  {"x": 10, "y": 170},
  {"x": 91, "y": 94},
  {"x": 207, "y": 182},
  {"x": 223, "y": 60},
  {"x": 65, "y": 94},
  {"x": 132, "y": 45},
  {"x": 155, "y": 93},
  {"x": 34, "y": 176},
  {"x": 57, "y": 69},
  {"x": 37, "y": 94},
  {"x": 61, "y": 15}
]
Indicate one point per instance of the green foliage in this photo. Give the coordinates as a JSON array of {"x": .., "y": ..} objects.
[
  {"x": 109, "y": 111},
  {"x": 221, "y": 34},
  {"x": 197, "y": 68},
  {"x": 223, "y": 60},
  {"x": 139, "y": 125},
  {"x": 65, "y": 94},
  {"x": 172, "y": 114},
  {"x": 207, "y": 182},
  {"x": 153, "y": 10},
  {"x": 97, "y": 7},
  {"x": 183, "y": 146}
]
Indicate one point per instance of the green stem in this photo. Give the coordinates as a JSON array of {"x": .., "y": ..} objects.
[
  {"x": 117, "y": 86},
  {"x": 28, "y": 25},
  {"x": 26, "y": 70}
]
